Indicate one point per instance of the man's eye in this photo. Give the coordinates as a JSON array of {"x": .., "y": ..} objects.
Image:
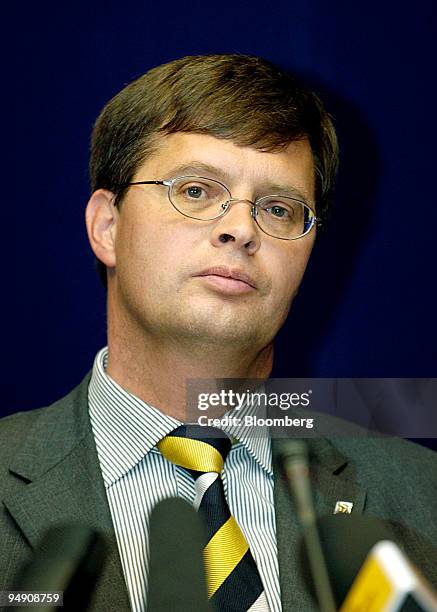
[
  {"x": 194, "y": 191},
  {"x": 278, "y": 211}
]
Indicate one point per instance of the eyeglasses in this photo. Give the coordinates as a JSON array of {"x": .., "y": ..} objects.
[{"x": 205, "y": 199}]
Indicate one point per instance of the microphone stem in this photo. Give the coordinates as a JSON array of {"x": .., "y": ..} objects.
[{"x": 297, "y": 473}]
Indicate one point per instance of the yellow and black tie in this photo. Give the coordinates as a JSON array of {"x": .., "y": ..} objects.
[{"x": 234, "y": 584}]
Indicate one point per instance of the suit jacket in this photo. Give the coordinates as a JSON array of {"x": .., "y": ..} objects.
[{"x": 50, "y": 474}]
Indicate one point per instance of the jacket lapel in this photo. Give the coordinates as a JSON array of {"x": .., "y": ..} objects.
[
  {"x": 332, "y": 479},
  {"x": 59, "y": 482}
]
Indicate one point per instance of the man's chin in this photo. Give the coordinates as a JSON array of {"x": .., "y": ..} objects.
[{"x": 240, "y": 335}]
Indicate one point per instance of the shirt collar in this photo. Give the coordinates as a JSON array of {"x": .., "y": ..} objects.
[{"x": 126, "y": 428}]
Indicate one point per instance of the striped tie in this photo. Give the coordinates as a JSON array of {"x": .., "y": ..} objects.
[{"x": 234, "y": 584}]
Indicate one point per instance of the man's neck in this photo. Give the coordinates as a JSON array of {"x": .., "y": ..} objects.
[{"x": 159, "y": 370}]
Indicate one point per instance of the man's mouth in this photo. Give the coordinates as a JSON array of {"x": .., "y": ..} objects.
[{"x": 228, "y": 280}]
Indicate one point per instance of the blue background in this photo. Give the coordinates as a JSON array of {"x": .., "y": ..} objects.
[{"x": 367, "y": 306}]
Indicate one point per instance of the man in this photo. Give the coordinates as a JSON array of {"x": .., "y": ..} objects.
[{"x": 209, "y": 178}]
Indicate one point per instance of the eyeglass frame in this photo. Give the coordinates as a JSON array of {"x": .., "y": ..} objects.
[{"x": 227, "y": 205}]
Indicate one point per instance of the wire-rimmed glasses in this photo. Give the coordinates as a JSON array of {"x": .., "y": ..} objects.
[{"x": 205, "y": 199}]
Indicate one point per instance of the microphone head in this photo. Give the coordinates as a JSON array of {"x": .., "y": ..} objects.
[
  {"x": 291, "y": 448},
  {"x": 346, "y": 541},
  {"x": 69, "y": 558},
  {"x": 177, "y": 574}
]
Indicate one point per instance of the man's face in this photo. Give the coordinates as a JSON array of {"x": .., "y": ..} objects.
[{"x": 161, "y": 279}]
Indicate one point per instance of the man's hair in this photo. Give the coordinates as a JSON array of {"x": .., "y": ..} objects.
[{"x": 241, "y": 98}]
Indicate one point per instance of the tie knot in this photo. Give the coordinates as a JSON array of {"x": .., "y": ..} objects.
[{"x": 196, "y": 448}]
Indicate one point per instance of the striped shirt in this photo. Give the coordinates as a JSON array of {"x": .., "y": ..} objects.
[{"x": 137, "y": 477}]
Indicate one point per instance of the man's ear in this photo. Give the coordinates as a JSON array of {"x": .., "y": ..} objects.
[{"x": 101, "y": 221}]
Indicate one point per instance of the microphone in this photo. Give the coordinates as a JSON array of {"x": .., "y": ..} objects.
[
  {"x": 293, "y": 457},
  {"x": 388, "y": 581},
  {"x": 368, "y": 571},
  {"x": 177, "y": 575},
  {"x": 69, "y": 558}
]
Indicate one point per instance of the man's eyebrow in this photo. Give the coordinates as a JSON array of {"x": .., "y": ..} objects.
[
  {"x": 287, "y": 190},
  {"x": 198, "y": 168}
]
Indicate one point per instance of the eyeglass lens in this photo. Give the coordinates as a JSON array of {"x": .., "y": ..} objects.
[{"x": 203, "y": 199}]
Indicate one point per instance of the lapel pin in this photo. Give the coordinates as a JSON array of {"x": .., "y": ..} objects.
[{"x": 343, "y": 507}]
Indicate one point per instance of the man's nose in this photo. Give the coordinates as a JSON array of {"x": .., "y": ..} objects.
[{"x": 237, "y": 227}]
